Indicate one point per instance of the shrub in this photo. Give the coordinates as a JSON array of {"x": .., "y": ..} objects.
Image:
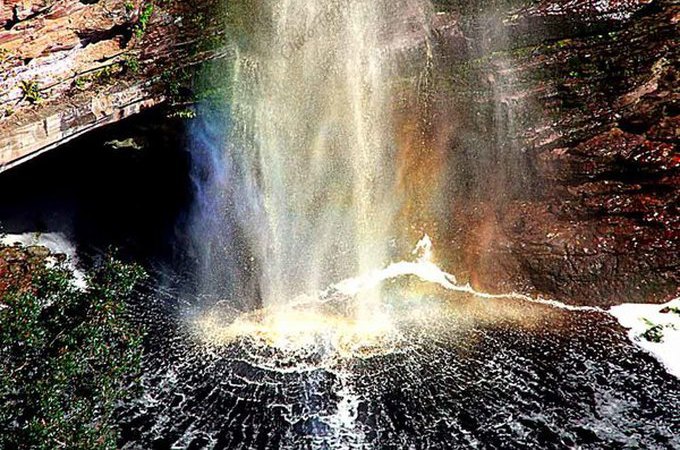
[
  {"x": 129, "y": 7},
  {"x": 143, "y": 21},
  {"x": 654, "y": 333},
  {"x": 131, "y": 64},
  {"x": 30, "y": 91},
  {"x": 68, "y": 355}
]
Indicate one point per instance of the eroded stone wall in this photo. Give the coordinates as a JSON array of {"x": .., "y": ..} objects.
[
  {"x": 576, "y": 105},
  {"x": 68, "y": 66}
]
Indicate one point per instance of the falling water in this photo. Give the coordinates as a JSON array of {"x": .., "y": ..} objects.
[
  {"x": 327, "y": 335},
  {"x": 313, "y": 140}
]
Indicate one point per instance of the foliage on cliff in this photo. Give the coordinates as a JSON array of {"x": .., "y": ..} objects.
[{"x": 68, "y": 355}]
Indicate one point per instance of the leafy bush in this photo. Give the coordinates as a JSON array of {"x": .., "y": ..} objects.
[
  {"x": 654, "y": 333},
  {"x": 30, "y": 91},
  {"x": 143, "y": 21},
  {"x": 131, "y": 64},
  {"x": 68, "y": 355}
]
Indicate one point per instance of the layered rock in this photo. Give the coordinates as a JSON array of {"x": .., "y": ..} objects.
[
  {"x": 69, "y": 66},
  {"x": 580, "y": 107}
]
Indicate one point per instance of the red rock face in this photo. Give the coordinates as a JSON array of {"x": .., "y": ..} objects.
[{"x": 594, "y": 112}]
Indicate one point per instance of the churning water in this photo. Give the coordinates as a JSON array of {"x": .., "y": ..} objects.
[
  {"x": 302, "y": 185},
  {"x": 443, "y": 368}
]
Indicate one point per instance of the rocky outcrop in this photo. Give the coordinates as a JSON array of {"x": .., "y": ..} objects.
[
  {"x": 579, "y": 192},
  {"x": 68, "y": 66},
  {"x": 18, "y": 265}
]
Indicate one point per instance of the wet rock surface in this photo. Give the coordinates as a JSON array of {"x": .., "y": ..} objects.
[{"x": 576, "y": 194}]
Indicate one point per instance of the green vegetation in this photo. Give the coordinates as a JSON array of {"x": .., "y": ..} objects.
[
  {"x": 671, "y": 310},
  {"x": 5, "y": 55},
  {"x": 184, "y": 113},
  {"x": 207, "y": 84},
  {"x": 104, "y": 75},
  {"x": 129, "y": 7},
  {"x": 173, "y": 80},
  {"x": 68, "y": 355},
  {"x": 143, "y": 21},
  {"x": 213, "y": 83},
  {"x": 131, "y": 63},
  {"x": 80, "y": 83},
  {"x": 654, "y": 332},
  {"x": 30, "y": 91},
  {"x": 101, "y": 76}
]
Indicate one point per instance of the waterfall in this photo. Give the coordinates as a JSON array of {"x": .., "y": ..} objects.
[{"x": 312, "y": 143}]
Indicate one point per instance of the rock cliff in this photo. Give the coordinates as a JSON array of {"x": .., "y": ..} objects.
[
  {"x": 69, "y": 66},
  {"x": 574, "y": 192}
]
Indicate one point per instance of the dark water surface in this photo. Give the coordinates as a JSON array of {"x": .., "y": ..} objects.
[
  {"x": 466, "y": 372},
  {"x": 477, "y": 373}
]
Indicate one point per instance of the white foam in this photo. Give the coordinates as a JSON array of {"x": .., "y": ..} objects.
[
  {"x": 634, "y": 316},
  {"x": 344, "y": 422},
  {"x": 428, "y": 271},
  {"x": 281, "y": 326},
  {"x": 631, "y": 316}
]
